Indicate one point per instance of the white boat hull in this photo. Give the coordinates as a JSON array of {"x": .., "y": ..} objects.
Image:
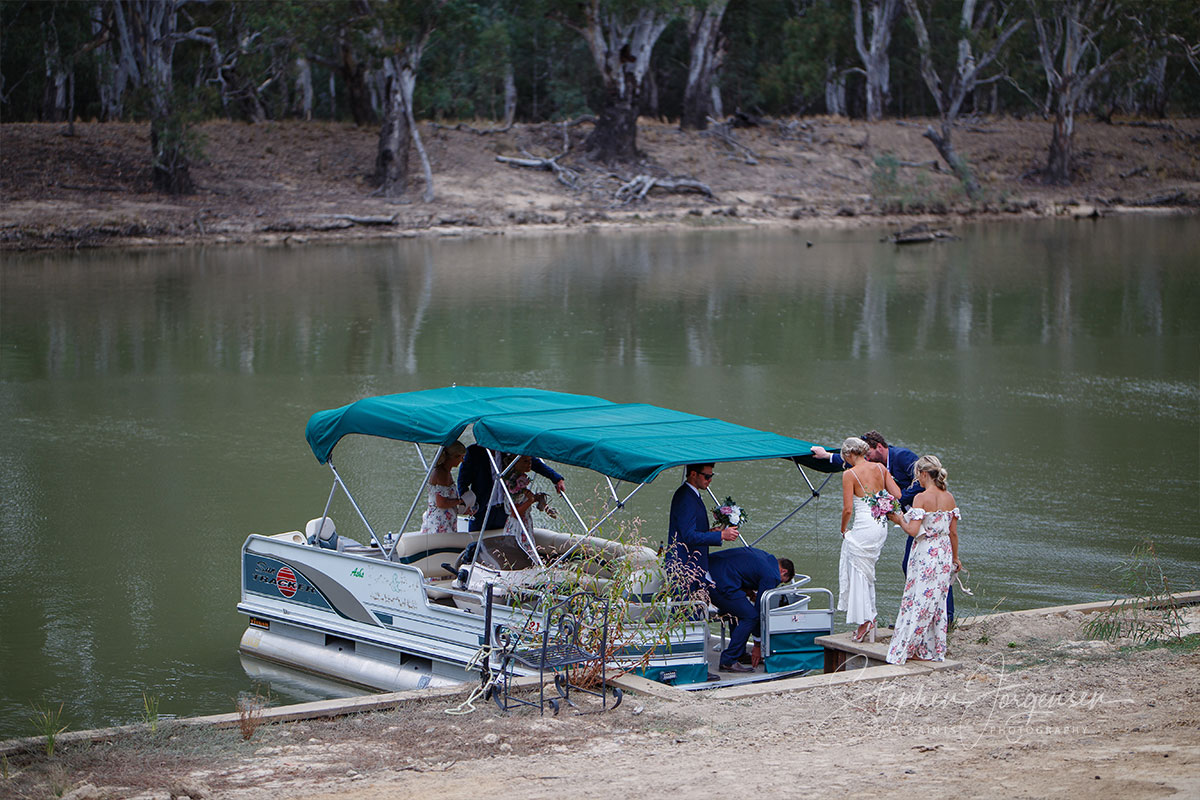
[{"x": 383, "y": 624}]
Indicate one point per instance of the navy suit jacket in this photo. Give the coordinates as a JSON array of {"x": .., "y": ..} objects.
[
  {"x": 689, "y": 535},
  {"x": 900, "y": 465},
  {"x": 744, "y": 569},
  {"x": 740, "y": 570},
  {"x": 476, "y": 474}
]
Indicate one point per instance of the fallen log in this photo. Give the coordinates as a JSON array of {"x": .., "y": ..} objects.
[
  {"x": 637, "y": 188},
  {"x": 1171, "y": 199},
  {"x": 357, "y": 220},
  {"x": 462, "y": 126},
  {"x": 724, "y": 132},
  {"x": 565, "y": 175},
  {"x": 919, "y": 234}
]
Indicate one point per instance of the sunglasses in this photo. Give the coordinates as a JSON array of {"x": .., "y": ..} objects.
[{"x": 706, "y": 475}]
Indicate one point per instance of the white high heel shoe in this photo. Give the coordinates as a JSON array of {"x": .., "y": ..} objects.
[{"x": 869, "y": 632}]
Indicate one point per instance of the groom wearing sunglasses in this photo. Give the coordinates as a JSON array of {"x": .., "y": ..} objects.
[{"x": 690, "y": 534}]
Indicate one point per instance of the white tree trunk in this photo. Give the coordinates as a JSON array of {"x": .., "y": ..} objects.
[
  {"x": 874, "y": 53},
  {"x": 112, "y": 72},
  {"x": 304, "y": 89},
  {"x": 835, "y": 90},
  {"x": 1071, "y": 58},
  {"x": 621, "y": 49},
  {"x": 54, "y": 92},
  {"x": 510, "y": 95},
  {"x": 408, "y": 82},
  {"x": 705, "y": 56}
]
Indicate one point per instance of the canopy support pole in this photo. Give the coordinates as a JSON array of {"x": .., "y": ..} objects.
[
  {"x": 338, "y": 480},
  {"x": 589, "y": 531},
  {"x": 411, "y": 509},
  {"x": 512, "y": 505},
  {"x": 328, "y": 503},
  {"x": 612, "y": 490},
  {"x": 421, "y": 455},
  {"x": 815, "y": 494}
]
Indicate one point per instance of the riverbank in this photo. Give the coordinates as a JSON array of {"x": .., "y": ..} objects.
[
  {"x": 296, "y": 182},
  {"x": 1035, "y": 709}
]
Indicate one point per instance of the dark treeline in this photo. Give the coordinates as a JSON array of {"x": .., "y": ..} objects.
[{"x": 387, "y": 63}]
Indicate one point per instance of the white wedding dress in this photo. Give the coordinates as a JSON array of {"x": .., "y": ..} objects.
[{"x": 856, "y": 570}]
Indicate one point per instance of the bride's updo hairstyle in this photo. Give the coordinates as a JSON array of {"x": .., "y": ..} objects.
[
  {"x": 932, "y": 467},
  {"x": 854, "y": 446}
]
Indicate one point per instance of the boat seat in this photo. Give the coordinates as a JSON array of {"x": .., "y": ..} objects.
[
  {"x": 322, "y": 532},
  {"x": 428, "y": 551}
]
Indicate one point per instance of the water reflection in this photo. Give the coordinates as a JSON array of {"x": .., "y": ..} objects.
[{"x": 156, "y": 402}]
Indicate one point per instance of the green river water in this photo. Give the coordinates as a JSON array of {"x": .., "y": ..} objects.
[{"x": 155, "y": 402}]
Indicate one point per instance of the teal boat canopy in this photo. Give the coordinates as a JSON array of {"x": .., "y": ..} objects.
[{"x": 629, "y": 442}]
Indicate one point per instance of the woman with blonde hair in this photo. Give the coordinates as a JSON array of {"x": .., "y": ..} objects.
[
  {"x": 933, "y": 523},
  {"x": 444, "y": 502},
  {"x": 862, "y": 483}
]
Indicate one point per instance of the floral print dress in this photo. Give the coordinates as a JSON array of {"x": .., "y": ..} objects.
[
  {"x": 520, "y": 489},
  {"x": 440, "y": 520},
  {"x": 921, "y": 624}
]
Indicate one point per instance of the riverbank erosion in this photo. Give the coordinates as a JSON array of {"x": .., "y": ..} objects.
[
  {"x": 296, "y": 182},
  {"x": 1035, "y": 709}
]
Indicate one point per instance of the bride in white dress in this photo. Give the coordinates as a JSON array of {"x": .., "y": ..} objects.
[
  {"x": 862, "y": 543},
  {"x": 932, "y": 521}
]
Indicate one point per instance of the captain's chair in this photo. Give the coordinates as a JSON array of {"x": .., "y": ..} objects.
[{"x": 322, "y": 535}]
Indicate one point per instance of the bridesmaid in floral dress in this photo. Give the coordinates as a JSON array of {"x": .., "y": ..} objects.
[
  {"x": 920, "y": 632},
  {"x": 444, "y": 502},
  {"x": 517, "y": 480}
]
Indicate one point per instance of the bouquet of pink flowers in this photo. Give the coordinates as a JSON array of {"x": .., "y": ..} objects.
[
  {"x": 729, "y": 514},
  {"x": 882, "y": 504}
]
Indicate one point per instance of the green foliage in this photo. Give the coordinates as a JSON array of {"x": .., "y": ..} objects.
[
  {"x": 150, "y": 711},
  {"x": 1148, "y": 613},
  {"x": 892, "y": 194},
  {"x": 778, "y": 57},
  {"x": 644, "y": 610},
  {"x": 47, "y": 721}
]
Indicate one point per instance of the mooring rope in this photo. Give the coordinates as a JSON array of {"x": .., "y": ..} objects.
[{"x": 467, "y": 706}]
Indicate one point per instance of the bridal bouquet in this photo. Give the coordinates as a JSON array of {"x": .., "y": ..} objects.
[
  {"x": 729, "y": 514},
  {"x": 882, "y": 504}
]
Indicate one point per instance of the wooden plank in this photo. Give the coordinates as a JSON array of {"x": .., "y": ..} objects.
[
  {"x": 808, "y": 682},
  {"x": 317, "y": 709},
  {"x": 639, "y": 685},
  {"x": 1181, "y": 598}
]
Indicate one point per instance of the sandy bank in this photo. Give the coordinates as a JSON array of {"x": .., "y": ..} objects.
[{"x": 295, "y": 183}]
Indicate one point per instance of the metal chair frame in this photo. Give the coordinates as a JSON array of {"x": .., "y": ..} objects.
[{"x": 556, "y": 646}]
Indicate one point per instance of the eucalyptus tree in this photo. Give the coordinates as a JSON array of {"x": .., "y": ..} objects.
[
  {"x": 1078, "y": 41},
  {"x": 620, "y": 35},
  {"x": 873, "y": 50},
  {"x": 399, "y": 31},
  {"x": 706, "y": 50},
  {"x": 986, "y": 25},
  {"x": 252, "y": 56},
  {"x": 146, "y": 34}
]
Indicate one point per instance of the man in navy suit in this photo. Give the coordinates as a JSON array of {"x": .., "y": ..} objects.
[
  {"x": 475, "y": 474},
  {"x": 689, "y": 534},
  {"x": 737, "y": 572},
  {"x": 899, "y": 462}
]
